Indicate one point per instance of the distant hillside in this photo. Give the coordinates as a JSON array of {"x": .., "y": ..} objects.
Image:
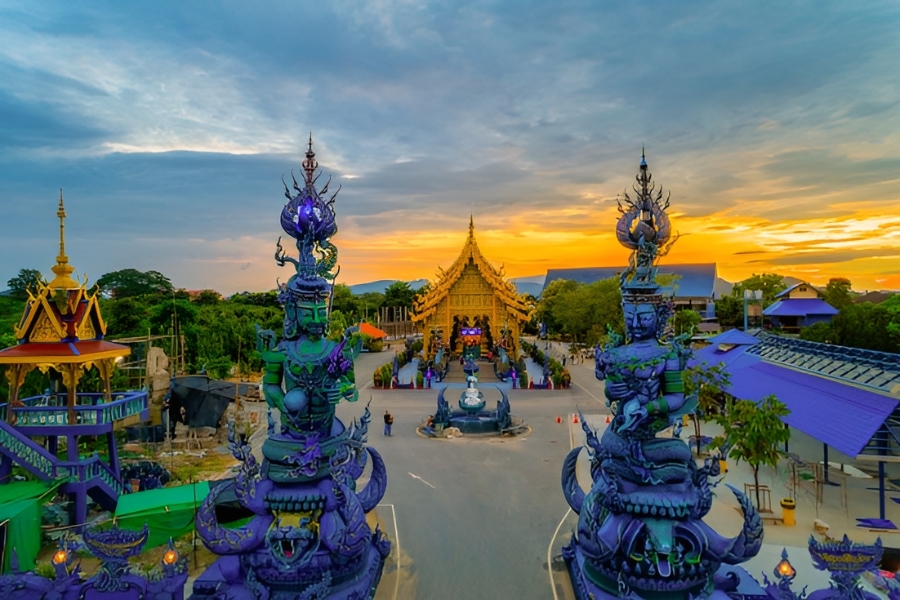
[
  {"x": 383, "y": 284},
  {"x": 532, "y": 284}
]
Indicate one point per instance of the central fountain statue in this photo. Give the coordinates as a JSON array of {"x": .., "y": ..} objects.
[
  {"x": 640, "y": 528},
  {"x": 307, "y": 536}
]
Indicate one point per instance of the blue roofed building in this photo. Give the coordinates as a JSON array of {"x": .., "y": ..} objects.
[
  {"x": 799, "y": 306},
  {"x": 696, "y": 288},
  {"x": 846, "y": 398}
]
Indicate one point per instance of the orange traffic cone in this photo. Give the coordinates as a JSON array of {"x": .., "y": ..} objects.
[
  {"x": 558, "y": 419},
  {"x": 575, "y": 420},
  {"x": 607, "y": 419}
]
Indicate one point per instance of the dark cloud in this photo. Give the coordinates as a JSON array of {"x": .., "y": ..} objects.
[
  {"x": 426, "y": 115},
  {"x": 823, "y": 258}
]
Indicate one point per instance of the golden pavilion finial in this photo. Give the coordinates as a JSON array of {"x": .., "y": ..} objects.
[
  {"x": 62, "y": 269},
  {"x": 471, "y": 225}
]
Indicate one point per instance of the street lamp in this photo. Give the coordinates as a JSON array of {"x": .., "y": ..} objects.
[{"x": 750, "y": 295}]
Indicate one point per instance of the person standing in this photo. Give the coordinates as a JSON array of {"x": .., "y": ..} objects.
[{"x": 388, "y": 421}]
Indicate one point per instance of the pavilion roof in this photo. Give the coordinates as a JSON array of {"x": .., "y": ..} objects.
[{"x": 61, "y": 322}]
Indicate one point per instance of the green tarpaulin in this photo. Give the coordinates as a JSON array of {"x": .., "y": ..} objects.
[
  {"x": 20, "y": 520},
  {"x": 168, "y": 512}
]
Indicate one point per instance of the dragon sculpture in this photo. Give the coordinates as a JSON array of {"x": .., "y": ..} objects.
[
  {"x": 640, "y": 530},
  {"x": 307, "y": 536}
]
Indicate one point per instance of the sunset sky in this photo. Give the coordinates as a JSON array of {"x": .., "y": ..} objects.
[{"x": 775, "y": 125}]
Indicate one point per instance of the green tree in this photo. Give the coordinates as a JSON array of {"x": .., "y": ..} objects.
[
  {"x": 338, "y": 322},
  {"x": 128, "y": 317},
  {"x": 343, "y": 300},
  {"x": 770, "y": 284},
  {"x": 207, "y": 297},
  {"x": 27, "y": 279},
  {"x": 686, "y": 321},
  {"x": 582, "y": 310},
  {"x": 866, "y": 325},
  {"x": 131, "y": 282},
  {"x": 754, "y": 432},
  {"x": 545, "y": 311},
  {"x": 709, "y": 382},
  {"x": 399, "y": 294},
  {"x": 837, "y": 292},
  {"x": 370, "y": 303},
  {"x": 729, "y": 311},
  {"x": 818, "y": 332}
]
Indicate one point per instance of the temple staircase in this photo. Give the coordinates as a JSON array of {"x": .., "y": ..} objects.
[
  {"x": 91, "y": 476},
  {"x": 94, "y": 475}
]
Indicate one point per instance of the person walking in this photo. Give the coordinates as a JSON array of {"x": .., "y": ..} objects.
[{"x": 388, "y": 421}]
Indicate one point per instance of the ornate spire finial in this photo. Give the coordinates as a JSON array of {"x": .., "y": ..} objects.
[
  {"x": 62, "y": 269},
  {"x": 471, "y": 225},
  {"x": 310, "y": 165},
  {"x": 643, "y": 158}
]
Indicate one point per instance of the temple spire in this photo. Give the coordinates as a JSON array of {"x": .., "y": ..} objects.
[
  {"x": 471, "y": 226},
  {"x": 310, "y": 165},
  {"x": 62, "y": 269}
]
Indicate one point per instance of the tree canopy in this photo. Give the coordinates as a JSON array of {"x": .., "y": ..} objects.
[
  {"x": 837, "y": 292},
  {"x": 27, "y": 279},
  {"x": 754, "y": 432},
  {"x": 131, "y": 282},
  {"x": 770, "y": 284},
  {"x": 582, "y": 310}
]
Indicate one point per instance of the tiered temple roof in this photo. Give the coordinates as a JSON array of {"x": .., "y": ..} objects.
[{"x": 471, "y": 254}]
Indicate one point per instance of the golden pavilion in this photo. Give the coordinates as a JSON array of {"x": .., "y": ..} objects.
[{"x": 470, "y": 296}]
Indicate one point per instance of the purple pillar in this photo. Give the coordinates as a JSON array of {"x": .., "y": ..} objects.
[
  {"x": 72, "y": 448},
  {"x": 5, "y": 469},
  {"x": 113, "y": 452}
]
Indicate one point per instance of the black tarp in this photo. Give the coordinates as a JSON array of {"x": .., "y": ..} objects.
[{"x": 204, "y": 400}]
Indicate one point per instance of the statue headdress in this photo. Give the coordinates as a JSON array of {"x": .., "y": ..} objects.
[
  {"x": 310, "y": 220},
  {"x": 644, "y": 228}
]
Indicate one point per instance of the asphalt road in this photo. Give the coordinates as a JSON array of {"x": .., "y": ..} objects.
[{"x": 474, "y": 517}]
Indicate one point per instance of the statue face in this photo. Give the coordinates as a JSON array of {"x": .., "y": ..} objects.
[
  {"x": 641, "y": 321},
  {"x": 306, "y": 318},
  {"x": 312, "y": 318}
]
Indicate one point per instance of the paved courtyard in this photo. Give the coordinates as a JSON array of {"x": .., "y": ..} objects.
[{"x": 480, "y": 518}]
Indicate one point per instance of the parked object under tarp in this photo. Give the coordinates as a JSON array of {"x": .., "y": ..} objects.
[{"x": 204, "y": 400}]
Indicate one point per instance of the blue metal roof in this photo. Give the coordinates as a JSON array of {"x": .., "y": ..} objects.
[
  {"x": 734, "y": 357},
  {"x": 840, "y": 415},
  {"x": 869, "y": 368},
  {"x": 735, "y": 337},
  {"x": 799, "y": 307},
  {"x": 697, "y": 280}
]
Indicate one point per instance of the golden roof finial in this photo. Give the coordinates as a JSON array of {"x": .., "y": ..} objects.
[
  {"x": 471, "y": 225},
  {"x": 62, "y": 269}
]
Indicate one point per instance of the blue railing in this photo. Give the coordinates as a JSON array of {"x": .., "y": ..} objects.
[{"x": 90, "y": 409}]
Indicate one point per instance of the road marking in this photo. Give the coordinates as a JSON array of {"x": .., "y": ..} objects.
[
  {"x": 422, "y": 480},
  {"x": 550, "y": 551},
  {"x": 586, "y": 391},
  {"x": 396, "y": 537}
]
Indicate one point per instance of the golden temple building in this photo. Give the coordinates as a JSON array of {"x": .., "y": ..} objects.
[{"x": 471, "y": 294}]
